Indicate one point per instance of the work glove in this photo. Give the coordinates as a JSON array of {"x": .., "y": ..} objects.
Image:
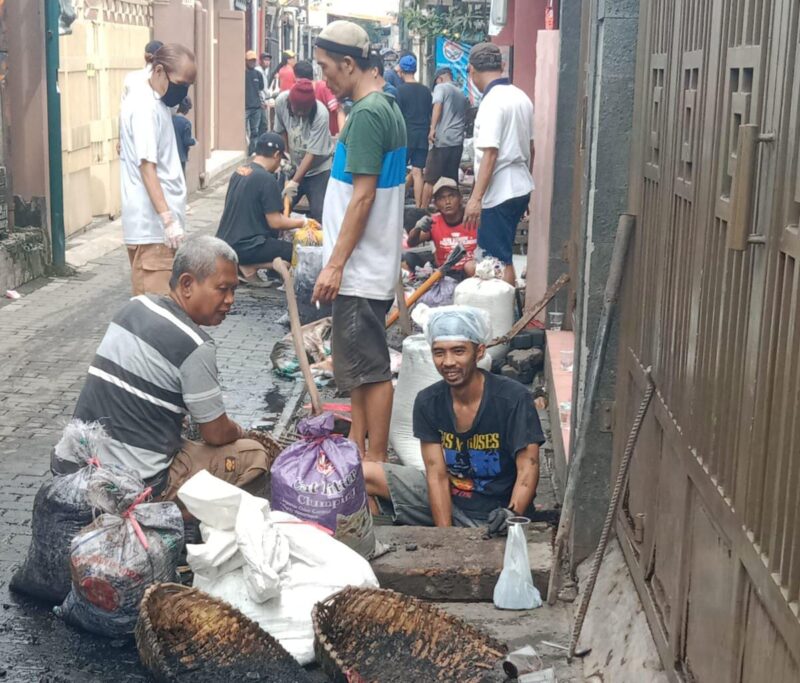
[
  {"x": 498, "y": 522},
  {"x": 424, "y": 224},
  {"x": 290, "y": 189},
  {"x": 173, "y": 231}
]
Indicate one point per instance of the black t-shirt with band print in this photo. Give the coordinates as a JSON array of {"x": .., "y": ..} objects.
[{"x": 481, "y": 462}]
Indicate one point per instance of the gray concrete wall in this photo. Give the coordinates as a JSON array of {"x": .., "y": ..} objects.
[
  {"x": 566, "y": 139},
  {"x": 610, "y": 93}
]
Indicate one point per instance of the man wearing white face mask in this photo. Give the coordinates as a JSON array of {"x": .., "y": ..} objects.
[{"x": 151, "y": 178}]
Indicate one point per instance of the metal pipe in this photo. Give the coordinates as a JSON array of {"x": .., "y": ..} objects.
[
  {"x": 596, "y": 362},
  {"x": 52, "y": 10}
]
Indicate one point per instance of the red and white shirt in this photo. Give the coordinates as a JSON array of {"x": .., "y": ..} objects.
[{"x": 445, "y": 238}]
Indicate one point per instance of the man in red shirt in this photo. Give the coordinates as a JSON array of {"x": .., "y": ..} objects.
[
  {"x": 446, "y": 228},
  {"x": 286, "y": 77}
]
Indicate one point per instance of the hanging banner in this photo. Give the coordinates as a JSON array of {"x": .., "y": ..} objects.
[{"x": 455, "y": 56}]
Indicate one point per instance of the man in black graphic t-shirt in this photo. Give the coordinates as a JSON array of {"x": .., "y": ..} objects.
[{"x": 479, "y": 433}]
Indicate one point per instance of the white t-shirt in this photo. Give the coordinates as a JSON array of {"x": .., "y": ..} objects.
[
  {"x": 134, "y": 79},
  {"x": 505, "y": 121},
  {"x": 146, "y": 134}
]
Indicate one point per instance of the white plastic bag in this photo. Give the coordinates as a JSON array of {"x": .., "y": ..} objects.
[{"x": 514, "y": 588}]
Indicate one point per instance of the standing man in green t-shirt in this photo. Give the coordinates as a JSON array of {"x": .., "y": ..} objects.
[{"x": 363, "y": 226}]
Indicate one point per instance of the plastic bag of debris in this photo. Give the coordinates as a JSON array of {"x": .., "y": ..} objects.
[
  {"x": 114, "y": 559},
  {"x": 316, "y": 340},
  {"x": 309, "y": 266},
  {"x": 319, "y": 479},
  {"x": 60, "y": 511},
  {"x": 441, "y": 294}
]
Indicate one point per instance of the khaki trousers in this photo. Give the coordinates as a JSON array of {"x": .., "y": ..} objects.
[
  {"x": 151, "y": 268},
  {"x": 243, "y": 463}
]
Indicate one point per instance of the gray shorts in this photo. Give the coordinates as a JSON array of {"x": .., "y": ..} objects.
[
  {"x": 358, "y": 342},
  {"x": 409, "y": 505}
]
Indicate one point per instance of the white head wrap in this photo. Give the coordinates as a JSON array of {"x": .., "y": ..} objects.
[{"x": 458, "y": 323}]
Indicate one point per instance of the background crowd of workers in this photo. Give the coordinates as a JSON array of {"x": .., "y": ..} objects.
[{"x": 353, "y": 172}]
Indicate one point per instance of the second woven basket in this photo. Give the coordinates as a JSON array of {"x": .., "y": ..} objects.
[{"x": 373, "y": 635}]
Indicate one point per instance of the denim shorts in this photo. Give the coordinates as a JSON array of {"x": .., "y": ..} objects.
[
  {"x": 358, "y": 342},
  {"x": 410, "y": 505},
  {"x": 498, "y": 227}
]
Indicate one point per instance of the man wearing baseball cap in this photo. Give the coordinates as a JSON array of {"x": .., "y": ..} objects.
[
  {"x": 303, "y": 122},
  {"x": 253, "y": 99},
  {"x": 363, "y": 224},
  {"x": 253, "y": 213},
  {"x": 415, "y": 102},
  {"x": 503, "y": 142},
  {"x": 447, "y": 230}
]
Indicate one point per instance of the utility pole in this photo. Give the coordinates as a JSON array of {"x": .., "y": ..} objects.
[{"x": 52, "y": 11}]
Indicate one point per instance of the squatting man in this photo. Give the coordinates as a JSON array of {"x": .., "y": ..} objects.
[{"x": 479, "y": 433}]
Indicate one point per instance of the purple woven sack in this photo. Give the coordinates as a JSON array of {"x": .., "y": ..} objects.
[{"x": 319, "y": 479}]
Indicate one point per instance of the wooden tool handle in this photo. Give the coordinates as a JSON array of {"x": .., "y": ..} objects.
[
  {"x": 287, "y": 206},
  {"x": 297, "y": 335},
  {"x": 424, "y": 287}
]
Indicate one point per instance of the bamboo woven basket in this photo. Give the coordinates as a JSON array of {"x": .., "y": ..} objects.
[
  {"x": 184, "y": 634},
  {"x": 372, "y": 635},
  {"x": 266, "y": 439}
]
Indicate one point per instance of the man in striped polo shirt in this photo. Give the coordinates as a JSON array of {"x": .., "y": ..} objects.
[
  {"x": 155, "y": 365},
  {"x": 362, "y": 224}
]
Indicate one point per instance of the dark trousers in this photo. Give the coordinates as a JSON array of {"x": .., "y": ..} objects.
[
  {"x": 314, "y": 188},
  {"x": 252, "y": 119}
]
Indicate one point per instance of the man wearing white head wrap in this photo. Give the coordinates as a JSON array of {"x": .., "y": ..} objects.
[{"x": 479, "y": 434}]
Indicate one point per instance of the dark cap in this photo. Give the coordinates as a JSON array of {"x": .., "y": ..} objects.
[
  {"x": 486, "y": 57},
  {"x": 269, "y": 143},
  {"x": 152, "y": 47},
  {"x": 344, "y": 38},
  {"x": 444, "y": 71},
  {"x": 266, "y": 55}
]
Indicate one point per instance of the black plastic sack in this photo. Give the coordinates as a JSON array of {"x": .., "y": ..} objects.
[
  {"x": 60, "y": 511},
  {"x": 113, "y": 560}
]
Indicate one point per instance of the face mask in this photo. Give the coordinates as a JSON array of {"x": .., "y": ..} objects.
[{"x": 175, "y": 94}]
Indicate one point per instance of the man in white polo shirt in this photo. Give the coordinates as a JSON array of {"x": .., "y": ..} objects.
[{"x": 503, "y": 141}]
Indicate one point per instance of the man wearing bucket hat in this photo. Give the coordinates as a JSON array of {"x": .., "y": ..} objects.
[
  {"x": 479, "y": 434},
  {"x": 503, "y": 140},
  {"x": 362, "y": 222}
]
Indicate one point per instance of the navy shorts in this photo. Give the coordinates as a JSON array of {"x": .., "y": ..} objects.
[
  {"x": 499, "y": 226},
  {"x": 417, "y": 156}
]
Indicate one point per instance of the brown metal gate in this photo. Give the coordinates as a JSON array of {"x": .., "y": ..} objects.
[{"x": 711, "y": 522}]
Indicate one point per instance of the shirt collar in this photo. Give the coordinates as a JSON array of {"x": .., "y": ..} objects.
[{"x": 496, "y": 81}]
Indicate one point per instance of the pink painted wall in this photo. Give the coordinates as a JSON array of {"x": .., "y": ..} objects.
[
  {"x": 525, "y": 20},
  {"x": 544, "y": 139}
]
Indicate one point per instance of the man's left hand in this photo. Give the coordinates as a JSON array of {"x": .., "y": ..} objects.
[
  {"x": 498, "y": 522},
  {"x": 328, "y": 283},
  {"x": 472, "y": 214}
]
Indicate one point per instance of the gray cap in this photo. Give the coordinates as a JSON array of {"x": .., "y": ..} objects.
[
  {"x": 443, "y": 183},
  {"x": 344, "y": 38},
  {"x": 486, "y": 57}
]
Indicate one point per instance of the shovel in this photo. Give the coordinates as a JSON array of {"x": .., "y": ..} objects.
[
  {"x": 297, "y": 336},
  {"x": 455, "y": 256}
]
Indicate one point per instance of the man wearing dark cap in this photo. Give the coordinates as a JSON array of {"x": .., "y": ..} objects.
[
  {"x": 446, "y": 134},
  {"x": 503, "y": 142},
  {"x": 363, "y": 227},
  {"x": 253, "y": 215},
  {"x": 303, "y": 122},
  {"x": 264, "y": 67},
  {"x": 140, "y": 76},
  {"x": 414, "y": 100},
  {"x": 253, "y": 99}
]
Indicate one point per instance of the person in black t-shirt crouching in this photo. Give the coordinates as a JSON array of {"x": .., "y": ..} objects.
[
  {"x": 252, "y": 215},
  {"x": 479, "y": 434}
]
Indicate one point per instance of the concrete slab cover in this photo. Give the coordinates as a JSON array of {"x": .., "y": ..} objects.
[{"x": 454, "y": 564}]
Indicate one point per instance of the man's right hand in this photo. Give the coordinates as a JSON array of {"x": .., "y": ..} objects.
[
  {"x": 432, "y": 136},
  {"x": 290, "y": 189},
  {"x": 328, "y": 283},
  {"x": 173, "y": 231}
]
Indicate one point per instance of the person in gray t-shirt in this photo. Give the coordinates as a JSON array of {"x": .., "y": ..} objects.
[{"x": 446, "y": 135}]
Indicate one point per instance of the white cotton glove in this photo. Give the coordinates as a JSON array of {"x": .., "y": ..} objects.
[
  {"x": 290, "y": 189},
  {"x": 173, "y": 231}
]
